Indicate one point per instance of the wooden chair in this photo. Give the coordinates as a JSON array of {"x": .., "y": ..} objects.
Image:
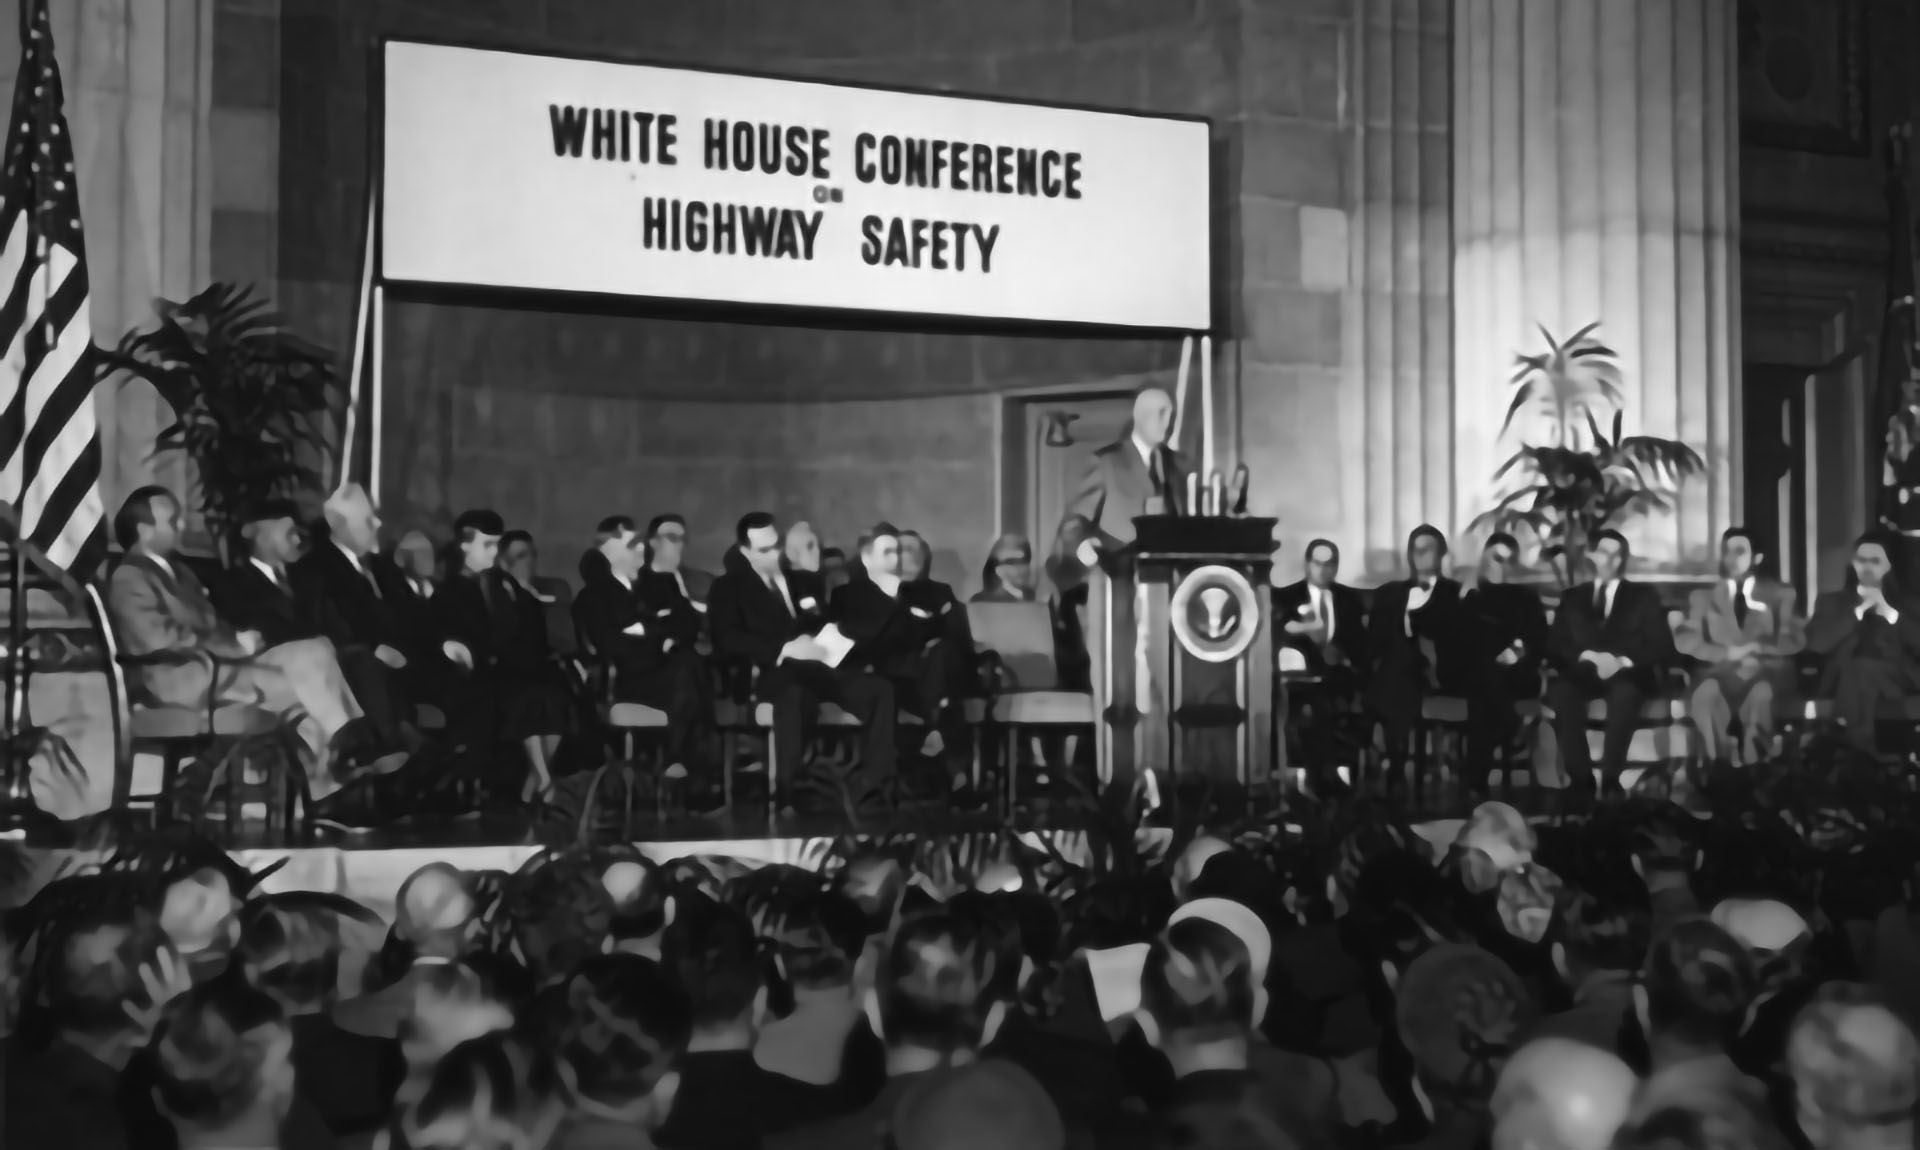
[
  {"x": 1029, "y": 699},
  {"x": 176, "y": 734}
]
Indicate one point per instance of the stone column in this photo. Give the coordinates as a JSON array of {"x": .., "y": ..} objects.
[
  {"x": 136, "y": 74},
  {"x": 1595, "y": 157},
  {"x": 1396, "y": 437}
]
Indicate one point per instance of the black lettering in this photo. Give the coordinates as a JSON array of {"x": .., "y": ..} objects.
[
  {"x": 897, "y": 255},
  {"x": 1073, "y": 175},
  {"x": 958, "y": 151},
  {"x": 820, "y": 154},
  {"x": 870, "y": 241},
  {"x": 798, "y": 161},
  {"x": 863, "y": 169},
  {"x": 726, "y": 229},
  {"x": 697, "y": 236},
  {"x": 916, "y": 172},
  {"x": 1003, "y": 170},
  {"x": 716, "y": 149},
  {"x": 986, "y": 238},
  {"x": 757, "y": 225},
  {"x": 569, "y": 129},
  {"x": 809, "y": 231},
  {"x": 1049, "y": 179},
  {"x": 890, "y": 160},
  {"x": 626, "y": 136},
  {"x": 982, "y": 164},
  {"x": 669, "y": 138},
  {"x": 605, "y": 128},
  {"x": 1026, "y": 172},
  {"x": 653, "y": 222},
  {"x": 937, "y": 163}
]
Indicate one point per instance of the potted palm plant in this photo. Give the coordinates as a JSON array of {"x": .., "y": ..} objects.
[
  {"x": 250, "y": 399},
  {"x": 1586, "y": 474}
]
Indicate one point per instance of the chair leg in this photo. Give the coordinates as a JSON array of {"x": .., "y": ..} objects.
[
  {"x": 773, "y": 776},
  {"x": 169, "y": 779}
]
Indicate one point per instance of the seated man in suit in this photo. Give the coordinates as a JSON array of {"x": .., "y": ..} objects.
[
  {"x": 1325, "y": 621},
  {"x": 1610, "y": 640},
  {"x": 1745, "y": 631},
  {"x": 648, "y": 643},
  {"x": 768, "y": 616},
  {"x": 1413, "y": 627},
  {"x": 1503, "y": 638},
  {"x": 259, "y": 594},
  {"x": 899, "y": 630},
  {"x": 664, "y": 580},
  {"x": 159, "y": 610},
  {"x": 1869, "y": 633},
  {"x": 357, "y": 598},
  {"x": 938, "y": 596}
]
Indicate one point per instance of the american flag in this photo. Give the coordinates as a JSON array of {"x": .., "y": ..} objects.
[{"x": 49, "y": 438}]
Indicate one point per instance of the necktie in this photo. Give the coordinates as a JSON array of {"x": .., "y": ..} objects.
[
  {"x": 1739, "y": 606},
  {"x": 1600, "y": 601},
  {"x": 773, "y": 585},
  {"x": 279, "y": 579},
  {"x": 367, "y": 574},
  {"x": 1325, "y": 616},
  {"x": 1155, "y": 474}
]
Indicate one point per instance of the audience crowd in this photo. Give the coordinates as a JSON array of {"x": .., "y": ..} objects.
[{"x": 1642, "y": 978}]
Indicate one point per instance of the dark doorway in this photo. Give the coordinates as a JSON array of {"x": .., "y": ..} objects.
[{"x": 1778, "y": 454}]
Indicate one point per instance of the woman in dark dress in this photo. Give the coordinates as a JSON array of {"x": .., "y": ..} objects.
[{"x": 508, "y": 685}]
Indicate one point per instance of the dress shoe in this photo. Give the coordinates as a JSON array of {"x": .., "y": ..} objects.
[{"x": 354, "y": 809}]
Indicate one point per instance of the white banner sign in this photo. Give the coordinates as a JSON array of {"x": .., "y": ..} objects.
[{"x": 551, "y": 174}]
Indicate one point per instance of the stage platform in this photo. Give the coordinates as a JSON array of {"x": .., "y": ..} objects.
[{"x": 369, "y": 869}]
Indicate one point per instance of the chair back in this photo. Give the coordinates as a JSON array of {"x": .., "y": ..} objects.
[{"x": 1021, "y": 634}]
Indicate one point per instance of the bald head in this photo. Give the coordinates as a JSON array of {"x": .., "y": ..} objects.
[
  {"x": 1152, "y": 416},
  {"x": 1856, "y": 1064},
  {"x": 1558, "y": 1094},
  {"x": 352, "y": 519}
]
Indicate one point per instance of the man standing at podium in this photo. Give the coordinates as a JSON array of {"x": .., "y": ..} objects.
[{"x": 1124, "y": 476}]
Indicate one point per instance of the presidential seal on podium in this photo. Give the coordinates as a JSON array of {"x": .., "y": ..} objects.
[{"x": 1215, "y": 613}]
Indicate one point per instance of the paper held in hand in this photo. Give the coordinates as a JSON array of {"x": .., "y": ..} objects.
[{"x": 834, "y": 643}]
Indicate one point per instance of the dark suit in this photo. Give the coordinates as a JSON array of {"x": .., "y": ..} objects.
[
  {"x": 358, "y": 609},
  {"x": 1412, "y": 651},
  {"x": 660, "y": 667},
  {"x": 752, "y": 622},
  {"x": 1494, "y": 617},
  {"x": 907, "y": 638},
  {"x": 1336, "y": 667},
  {"x": 255, "y": 602},
  {"x": 1115, "y": 490},
  {"x": 1634, "y": 628},
  {"x": 1724, "y": 616},
  {"x": 1872, "y": 666},
  {"x": 515, "y": 690}
]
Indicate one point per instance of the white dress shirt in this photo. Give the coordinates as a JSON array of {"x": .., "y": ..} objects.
[
  {"x": 1884, "y": 610},
  {"x": 274, "y": 575},
  {"x": 1604, "y": 598},
  {"x": 163, "y": 565},
  {"x": 778, "y": 580},
  {"x": 1418, "y": 597}
]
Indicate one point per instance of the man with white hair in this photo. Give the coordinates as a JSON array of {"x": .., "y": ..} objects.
[
  {"x": 1124, "y": 476},
  {"x": 349, "y": 591}
]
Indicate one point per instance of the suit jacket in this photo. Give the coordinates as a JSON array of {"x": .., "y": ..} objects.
[
  {"x": 750, "y": 621},
  {"x": 1837, "y": 634},
  {"x": 253, "y": 602},
  {"x": 155, "y": 611},
  {"x": 604, "y": 611},
  {"x": 1711, "y": 626},
  {"x": 884, "y": 628},
  {"x": 503, "y": 626},
  {"x": 1436, "y": 622},
  {"x": 350, "y": 608},
  {"x": 1294, "y": 602},
  {"x": 671, "y": 611},
  {"x": 1493, "y": 617},
  {"x": 1636, "y": 628},
  {"x": 1117, "y": 486}
]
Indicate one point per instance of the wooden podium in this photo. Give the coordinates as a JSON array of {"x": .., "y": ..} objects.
[{"x": 1181, "y": 638}]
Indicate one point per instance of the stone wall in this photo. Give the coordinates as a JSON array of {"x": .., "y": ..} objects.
[{"x": 558, "y": 419}]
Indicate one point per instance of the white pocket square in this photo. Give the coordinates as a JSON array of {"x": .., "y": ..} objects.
[
  {"x": 921, "y": 612},
  {"x": 637, "y": 630}
]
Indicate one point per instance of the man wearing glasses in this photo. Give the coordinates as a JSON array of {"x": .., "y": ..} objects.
[{"x": 1506, "y": 629}]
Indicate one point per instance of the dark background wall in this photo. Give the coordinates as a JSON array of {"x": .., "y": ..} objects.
[{"x": 557, "y": 420}]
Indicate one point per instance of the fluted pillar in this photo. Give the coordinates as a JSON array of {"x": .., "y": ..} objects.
[
  {"x": 1595, "y": 158},
  {"x": 1397, "y": 401},
  {"x": 137, "y": 75}
]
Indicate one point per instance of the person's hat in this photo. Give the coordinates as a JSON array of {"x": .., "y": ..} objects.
[
  {"x": 1240, "y": 921},
  {"x": 990, "y": 1103}
]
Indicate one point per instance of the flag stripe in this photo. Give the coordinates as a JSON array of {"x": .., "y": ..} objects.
[{"x": 49, "y": 434}]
